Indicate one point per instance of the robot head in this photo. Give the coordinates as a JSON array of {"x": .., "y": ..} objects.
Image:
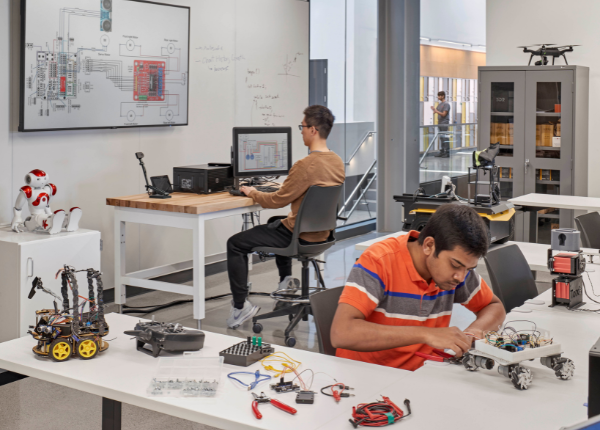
[{"x": 36, "y": 178}]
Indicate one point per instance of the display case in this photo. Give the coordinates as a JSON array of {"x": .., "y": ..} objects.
[{"x": 539, "y": 115}]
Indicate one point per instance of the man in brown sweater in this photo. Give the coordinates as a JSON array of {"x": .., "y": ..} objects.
[{"x": 321, "y": 167}]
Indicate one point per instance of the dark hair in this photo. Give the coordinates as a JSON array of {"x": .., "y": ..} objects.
[
  {"x": 319, "y": 117},
  {"x": 442, "y": 93},
  {"x": 454, "y": 225}
]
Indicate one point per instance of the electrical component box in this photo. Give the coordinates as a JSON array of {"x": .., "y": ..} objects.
[
  {"x": 305, "y": 397},
  {"x": 203, "y": 178},
  {"x": 246, "y": 353}
]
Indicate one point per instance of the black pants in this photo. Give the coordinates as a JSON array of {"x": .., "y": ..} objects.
[
  {"x": 444, "y": 139},
  {"x": 273, "y": 234}
]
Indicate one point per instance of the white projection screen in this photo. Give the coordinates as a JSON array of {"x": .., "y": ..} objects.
[{"x": 103, "y": 64}]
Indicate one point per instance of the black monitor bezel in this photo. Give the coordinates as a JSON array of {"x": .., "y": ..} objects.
[{"x": 255, "y": 130}]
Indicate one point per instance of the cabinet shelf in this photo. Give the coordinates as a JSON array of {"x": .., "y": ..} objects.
[
  {"x": 503, "y": 114},
  {"x": 547, "y": 148},
  {"x": 553, "y": 216},
  {"x": 506, "y": 180},
  {"x": 554, "y": 114},
  {"x": 544, "y": 182}
]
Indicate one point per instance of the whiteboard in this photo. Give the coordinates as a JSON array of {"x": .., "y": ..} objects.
[
  {"x": 249, "y": 64},
  {"x": 104, "y": 63}
]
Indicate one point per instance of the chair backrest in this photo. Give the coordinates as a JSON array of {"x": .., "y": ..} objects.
[
  {"x": 512, "y": 280},
  {"x": 318, "y": 210},
  {"x": 589, "y": 226},
  {"x": 324, "y": 305}
]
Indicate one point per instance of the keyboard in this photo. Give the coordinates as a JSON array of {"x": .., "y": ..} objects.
[
  {"x": 262, "y": 188},
  {"x": 267, "y": 189}
]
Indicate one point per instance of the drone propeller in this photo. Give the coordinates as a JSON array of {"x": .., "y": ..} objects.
[
  {"x": 538, "y": 44},
  {"x": 564, "y": 46}
]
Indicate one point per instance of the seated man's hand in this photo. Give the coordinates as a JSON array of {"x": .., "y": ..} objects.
[
  {"x": 475, "y": 332},
  {"x": 247, "y": 190},
  {"x": 449, "y": 338}
]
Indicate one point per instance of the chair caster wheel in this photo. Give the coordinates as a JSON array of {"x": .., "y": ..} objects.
[
  {"x": 290, "y": 317},
  {"x": 290, "y": 341},
  {"x": 257, "y": 328}
]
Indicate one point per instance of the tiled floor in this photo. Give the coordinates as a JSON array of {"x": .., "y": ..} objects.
[{"x": 24, "y": 405}]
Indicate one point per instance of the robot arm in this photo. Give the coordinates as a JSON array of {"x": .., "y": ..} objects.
[{"x": 17, "y": 219}]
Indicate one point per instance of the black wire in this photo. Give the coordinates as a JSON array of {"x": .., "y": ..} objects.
[
  {"x": 153, "y": 308},
  {"x": 585, "y": 289}
]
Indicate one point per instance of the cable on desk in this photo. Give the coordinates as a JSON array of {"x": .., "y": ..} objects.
[
  {"x": 337, "y": 394},
  {"x": 258, "y": 378},
  {"x": 378, "y": 414},
  {"x": 288, "y": 364}
]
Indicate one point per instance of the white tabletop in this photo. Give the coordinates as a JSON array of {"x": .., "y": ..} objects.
[
  {"x": 448, "y": 396},
  {"x": 122, "y": 373},
  {"x": 558, "y": 201}
]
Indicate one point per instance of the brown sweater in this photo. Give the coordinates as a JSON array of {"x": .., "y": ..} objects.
[{"x": 324, "y": 169}]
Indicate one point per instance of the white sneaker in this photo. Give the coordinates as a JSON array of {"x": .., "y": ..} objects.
[
  {"x": 289, "y": 283},
  {"x": 239, "y": 316}
]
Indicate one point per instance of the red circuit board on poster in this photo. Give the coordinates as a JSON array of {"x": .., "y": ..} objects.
[{"x": 149, "y": 81}]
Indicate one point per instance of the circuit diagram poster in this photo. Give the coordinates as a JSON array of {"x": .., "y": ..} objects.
[{"x": 104, "y": 63}]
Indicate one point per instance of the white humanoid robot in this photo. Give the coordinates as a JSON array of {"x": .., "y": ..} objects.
[{"x": 37, "y": 194}]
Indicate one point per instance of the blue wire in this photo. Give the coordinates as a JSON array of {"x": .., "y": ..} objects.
[{"x": 257, "y": 379}]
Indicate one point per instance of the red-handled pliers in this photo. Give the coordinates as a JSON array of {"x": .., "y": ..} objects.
[
  {"x": 264, "y": 399},
  {"x": 441, "y": 356}
]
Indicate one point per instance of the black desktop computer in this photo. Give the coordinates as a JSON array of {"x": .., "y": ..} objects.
[{"x": 260, "y": 152}]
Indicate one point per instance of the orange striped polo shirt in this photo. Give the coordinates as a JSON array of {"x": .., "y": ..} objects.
[{"x": 386, "y": 287}]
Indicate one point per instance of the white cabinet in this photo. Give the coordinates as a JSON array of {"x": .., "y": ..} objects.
[{"x": 23, "y": 256}]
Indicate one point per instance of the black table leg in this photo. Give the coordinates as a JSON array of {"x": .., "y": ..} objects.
[
  {"x": 111, "y": 414},
  {"x": 6, "y": 377},
  {"x": 533, "y": 226}
]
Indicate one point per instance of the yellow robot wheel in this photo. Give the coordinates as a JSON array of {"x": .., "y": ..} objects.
[
  {"x": 60, "y": 350},
  {"x": 87, "y": 349}
]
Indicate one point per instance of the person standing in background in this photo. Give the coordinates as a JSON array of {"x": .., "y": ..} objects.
[{"x": 443, "y": 112}]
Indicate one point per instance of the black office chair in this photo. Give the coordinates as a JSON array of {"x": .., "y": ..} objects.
[
  {"x": 323, "y": 305},
  {"x": 512, "y": 280},
  {"x": 318, "y": 212},
  {"x": 589, "y": 226}
]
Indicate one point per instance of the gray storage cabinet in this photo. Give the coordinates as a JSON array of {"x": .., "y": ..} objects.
[{"x": 539, "y": 114}]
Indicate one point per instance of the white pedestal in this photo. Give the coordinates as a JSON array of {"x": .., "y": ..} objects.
[{"x": 23, "y": 256}]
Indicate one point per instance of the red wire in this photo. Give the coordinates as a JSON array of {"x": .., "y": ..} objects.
[
  {"x": 337, "y": 395},
  {"x": 374, "y": 414}
]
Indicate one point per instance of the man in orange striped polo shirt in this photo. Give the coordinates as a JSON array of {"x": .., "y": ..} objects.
[{"x": 399, "y": 296}]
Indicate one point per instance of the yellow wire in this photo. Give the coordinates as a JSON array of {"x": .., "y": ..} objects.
[{"x": 288, "y": 364}]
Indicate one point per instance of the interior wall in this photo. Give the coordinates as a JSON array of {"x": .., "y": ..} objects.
[
  {"x": 455, "y": 20},
  {"x": 450, "y": 63},
  {"x": 576, "y": 24},
  {"x": 90, "y": 165}
]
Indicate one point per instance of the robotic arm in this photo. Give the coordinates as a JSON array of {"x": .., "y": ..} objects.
[{"x": 17, "y": 219}]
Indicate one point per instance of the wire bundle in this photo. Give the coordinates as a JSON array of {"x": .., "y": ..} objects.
[
  {"x": 516, "y": 340},
  {"x": 378, "y": 414},
  {"x": 288, "y": 364}
]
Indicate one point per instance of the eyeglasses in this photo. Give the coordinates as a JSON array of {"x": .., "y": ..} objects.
[{"x": 300, "y": 127}]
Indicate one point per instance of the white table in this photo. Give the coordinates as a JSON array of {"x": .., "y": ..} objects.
[
  {"x": 533, "y": 202},
  {"x": 362, "y": 246},
  {"x": 558, "y": 201},
  {"x": 448, "y": 396},
  {"x": 122, "y": 374},
  {"x": 183, "y": 210}
]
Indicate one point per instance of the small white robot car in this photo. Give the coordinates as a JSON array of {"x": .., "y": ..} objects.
[{"x": 37, "y": 193}]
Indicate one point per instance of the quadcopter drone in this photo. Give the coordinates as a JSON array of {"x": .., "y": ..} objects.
[{"x": 547, "y": 50}]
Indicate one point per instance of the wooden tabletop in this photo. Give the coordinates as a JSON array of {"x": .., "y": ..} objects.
[{"x": 188, "y": 203}]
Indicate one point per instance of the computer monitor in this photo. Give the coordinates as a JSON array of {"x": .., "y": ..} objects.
[{"x": 261, "y": 151}]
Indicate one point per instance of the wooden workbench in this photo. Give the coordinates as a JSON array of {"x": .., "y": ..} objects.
[
  {"x": 182, "y": 210},
  {"x": 188, "y": 203}
]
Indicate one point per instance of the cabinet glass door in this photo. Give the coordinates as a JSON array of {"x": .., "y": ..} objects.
[
  {"x": 502, "y": 109},
  {"x": 548, "y": 143}
]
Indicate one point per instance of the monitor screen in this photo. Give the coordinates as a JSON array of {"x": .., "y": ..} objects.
[{"x": 261, "y": 151}]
